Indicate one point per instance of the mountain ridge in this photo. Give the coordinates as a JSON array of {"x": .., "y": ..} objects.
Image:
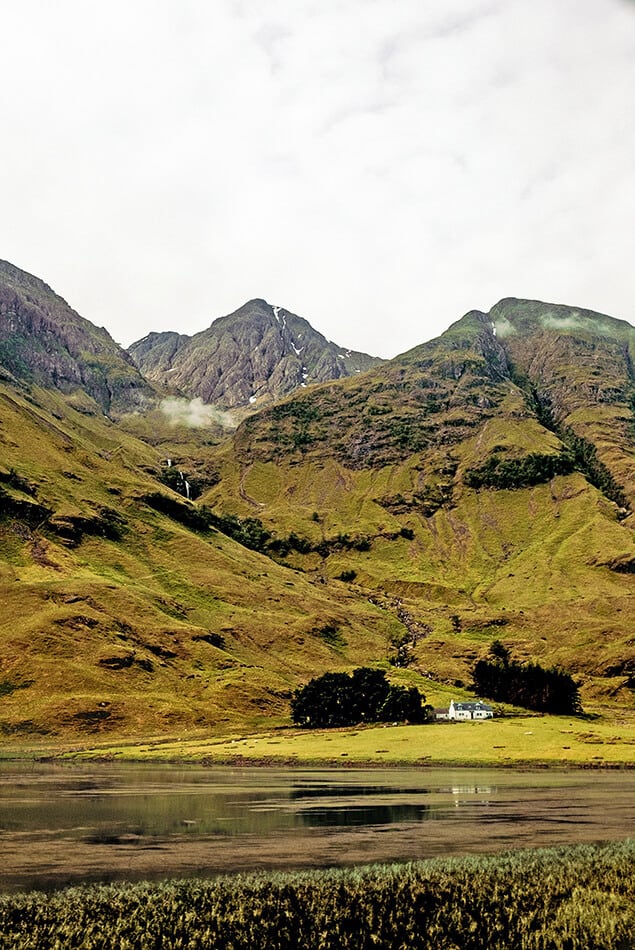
[
  {"x": 479, "y": 486},
  {"x": 43, "y": 340},
  {"x": 256, "y": 354}
]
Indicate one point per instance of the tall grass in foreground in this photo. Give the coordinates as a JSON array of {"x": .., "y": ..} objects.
[{"x": 581, "y": 897}]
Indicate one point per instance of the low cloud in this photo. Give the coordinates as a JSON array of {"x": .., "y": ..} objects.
[
  {"x": 576, "y": 321},
  {"x": 504, "y": 328},
  {"x": 563, "y": 323},
  {"x": 195, "y": 413}
]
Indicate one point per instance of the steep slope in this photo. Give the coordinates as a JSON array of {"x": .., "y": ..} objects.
[
  {"x": 125, "y": 610},
  {"x": 257, "y": 354},
  {"x": 43, "y": 341},
  {"x": 479, "y": 486},
  {"x": 577, "y": 368}
]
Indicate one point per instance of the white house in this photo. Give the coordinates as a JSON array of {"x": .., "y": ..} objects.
[{"x": 476, "y": 710}]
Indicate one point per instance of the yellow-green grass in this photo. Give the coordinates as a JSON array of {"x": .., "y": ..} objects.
[
  {"x": 527, "y": 566},
  {"x": 530, "y": 566},
  {"x": 110, "y": 636},
  {"x": 531, "y": 740}
]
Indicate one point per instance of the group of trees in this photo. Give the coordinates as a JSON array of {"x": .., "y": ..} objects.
[
  {"x": 365, "y": 695},
  {"x": 532, "y": 469},
  {"x": 340, "y": 699},
  {"x": 529, "y": 685}
]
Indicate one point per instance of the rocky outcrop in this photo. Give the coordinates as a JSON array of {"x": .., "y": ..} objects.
[
  {"x": 256, "y": 355},
  {"x": 44, "y": 341}
]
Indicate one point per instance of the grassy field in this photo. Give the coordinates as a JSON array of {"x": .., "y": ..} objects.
[
  {"x": 582, "y": 897},
  {"x": 532, "y": 740}
]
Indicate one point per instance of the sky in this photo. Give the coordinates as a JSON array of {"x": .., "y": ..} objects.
[{"x": 379, "y": 167}]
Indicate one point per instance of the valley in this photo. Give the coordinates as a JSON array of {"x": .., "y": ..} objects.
[{"x": 477, "y": 488}]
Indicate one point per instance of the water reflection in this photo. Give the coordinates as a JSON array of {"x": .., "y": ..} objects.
[
  {"x": 333, "y": 816},
  {"x": 60, "y": 823}
]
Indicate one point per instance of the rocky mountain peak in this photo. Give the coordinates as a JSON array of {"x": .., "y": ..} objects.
[
  {"x": 257, "y": 354},
  {"x": 45, "y": 342}
]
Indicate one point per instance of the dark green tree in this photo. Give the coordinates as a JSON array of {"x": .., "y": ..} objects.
[
  {"x": 324, "y": 702},
  {"x": 337, "y": 699},
  {"x": 528, "y": 685},
  {"x": 370, "y": 690},
  {"x": 403, "y": 705}
]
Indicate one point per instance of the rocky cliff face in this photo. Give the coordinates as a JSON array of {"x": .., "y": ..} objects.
[
  {"x": 567, "y": 371},
  {"x": 44, "y": 341},
  {"x": 253, "y": 356}
]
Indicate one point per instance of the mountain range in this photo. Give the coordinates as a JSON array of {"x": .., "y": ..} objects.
[{"x": 163, "y": 570}]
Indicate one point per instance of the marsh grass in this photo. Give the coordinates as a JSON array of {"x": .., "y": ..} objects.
[{"x": 573, "y": 898}]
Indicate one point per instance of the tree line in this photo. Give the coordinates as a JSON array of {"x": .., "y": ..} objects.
[{"x": 529, "y": 685}]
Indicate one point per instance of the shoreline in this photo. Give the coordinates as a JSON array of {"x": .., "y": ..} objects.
[
  {"x": 294, "y": 763},
  {"x": 518, "y": 742}
]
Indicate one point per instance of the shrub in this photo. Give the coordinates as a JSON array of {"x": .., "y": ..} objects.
[
  {"x": 348, "y": 576},
  {"x": 533, "y": 469}
]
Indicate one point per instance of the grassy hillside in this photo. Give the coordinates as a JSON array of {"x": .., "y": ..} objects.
[
  {"x": 474, "y": 489},
  {"x": 479, "y": 487},
  {"x": 120, "y": 616}
]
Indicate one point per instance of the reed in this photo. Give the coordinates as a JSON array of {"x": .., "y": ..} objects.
[{"x": 562, "y": 899}]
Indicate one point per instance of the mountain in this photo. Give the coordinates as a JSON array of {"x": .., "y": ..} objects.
[
  {"x": 43, "y": 341},
  {"x": 126, "y": 609},
  {"x": 255, "y": 355},
  {"x": 479, "y": 487}
]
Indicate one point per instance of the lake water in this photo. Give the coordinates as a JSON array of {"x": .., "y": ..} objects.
[{"x": 63, "y": 824}]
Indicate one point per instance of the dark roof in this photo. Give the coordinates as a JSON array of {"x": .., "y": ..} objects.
[{"x": 472, "y": 706}]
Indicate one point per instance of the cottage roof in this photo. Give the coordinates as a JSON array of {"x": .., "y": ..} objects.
[{"x": 471, "y": 707}]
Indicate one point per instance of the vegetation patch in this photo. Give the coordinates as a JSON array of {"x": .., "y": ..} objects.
[
  {"x": 525, "y": 684},
  {"x": 16, "y": 506},
  {"x": 596, "y": 472},
  {"x": 532, "y": 469},
  {"x": 337, "y": 699},
  {"x": 10, "y": 686},
  {"x": 576, "y": 897},
  {"x": 427, "y": 501},
  {"x": 104, "y": 522},
  {"x": 331, "y": 634},
  {"x": 581, "y": 450},
  {"x": 214, "y": 639}
]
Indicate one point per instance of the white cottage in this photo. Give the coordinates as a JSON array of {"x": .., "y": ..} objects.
[{"x": 476, "y": 710}]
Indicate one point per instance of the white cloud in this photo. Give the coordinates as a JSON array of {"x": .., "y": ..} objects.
[
  {"x": 378, "y": 166},
  {"x": 196, "y": 414}
]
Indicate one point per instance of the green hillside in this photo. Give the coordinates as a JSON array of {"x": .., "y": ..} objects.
[
  {"x": 120, "y": 616},
  {"x": 479, "y": 487}
]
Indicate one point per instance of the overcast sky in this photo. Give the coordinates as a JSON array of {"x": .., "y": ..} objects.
[{"x": 377, "y": 166}]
